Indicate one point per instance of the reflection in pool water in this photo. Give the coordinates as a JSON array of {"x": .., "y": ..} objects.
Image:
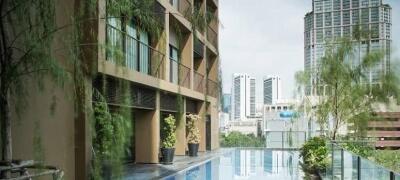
[{"x": 247, "y": 164}]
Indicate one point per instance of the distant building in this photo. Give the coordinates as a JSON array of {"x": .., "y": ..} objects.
[
  {"x": 226, "y": 103},
  {"x": 272, "y": 89},
  {"x": 330, "y": 20},
  {"x": 385, "y": 131},
  {"x": 282, "y": 126},
  {"x": 243, "y": 101}
]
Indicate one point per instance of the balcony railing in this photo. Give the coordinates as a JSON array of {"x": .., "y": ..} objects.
[
  {"x": 346, "y": 165},
  {"x": 183, "y": 6},
  {"x": 212, "y": 88},
  {"x": 184, "y": 76},
  {"x": 135, "y": 55},
  {"x": 179, "y": 74},
  {"x": 212, "y": 36},
  {"x": 198, "y": 82}
]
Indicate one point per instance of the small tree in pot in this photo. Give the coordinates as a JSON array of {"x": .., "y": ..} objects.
[
  {"x": 168, "y": 143},
  {"x": 193, "y": 134}
]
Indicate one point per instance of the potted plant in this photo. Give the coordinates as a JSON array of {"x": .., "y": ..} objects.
[
  {"x": 193, "y": 134},
  {"x": 168, "y": 143}
]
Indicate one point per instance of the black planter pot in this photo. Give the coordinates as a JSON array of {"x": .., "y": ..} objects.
[
  {"x": 193, "y": 149},
  {"x": 167, "y": 155}
]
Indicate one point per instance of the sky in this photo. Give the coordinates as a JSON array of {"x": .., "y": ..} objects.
[{"x": 265, "y": 37}]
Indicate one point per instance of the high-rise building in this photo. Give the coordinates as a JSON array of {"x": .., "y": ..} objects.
[
  {"x": 332, "y": 19},
  {"x": 226, "y": 103},
  {"x": 243, "y": 97},
  {"x": 272, "y": 89}
]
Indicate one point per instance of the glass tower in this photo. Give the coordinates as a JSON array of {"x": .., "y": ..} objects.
[{"x": 332, "y": 19}]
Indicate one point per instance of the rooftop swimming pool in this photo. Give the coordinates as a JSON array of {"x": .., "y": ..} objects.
[{"x": 246, "y": 164}]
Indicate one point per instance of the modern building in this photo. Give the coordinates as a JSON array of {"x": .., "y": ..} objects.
[
  {"x": 226, "y": 103},
  {"x": 272, "y": 89},
  {"x": 385, "y": 130},
  {"x": 283, "y": 128},
  {"x": 333, "y": 19},
  {"x": 243, "y": 97},
  {"x": 178, "y": 69}
]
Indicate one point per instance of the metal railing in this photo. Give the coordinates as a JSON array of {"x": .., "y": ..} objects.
[
  {"x": 212, "y": 36},
  {"x": 184, "y": 76},
  {"x": 212, "y": 88},
  {"x": 125, "y": 50},
  {"x": 346, "y": 165},
  {"x": 198, "y": 83}
]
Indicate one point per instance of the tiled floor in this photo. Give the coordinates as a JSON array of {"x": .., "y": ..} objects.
[{"x": 158, "y": 171}]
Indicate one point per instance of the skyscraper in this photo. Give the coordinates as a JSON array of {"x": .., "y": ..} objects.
[
  {"x": 243, "y": 102},
  {"x": 226, "y": 106},
  {"x": 332, "y": 19},
  {"x": 272, "y": 89}
]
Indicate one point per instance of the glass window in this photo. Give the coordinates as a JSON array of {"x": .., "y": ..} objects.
[
  {"x": 346, "y": 31},
  {"x": 114, "y": 39},
  {"x": 364, "y": 3},
  {"x": 374, "y": 30},
  {"x": 318, "y": 5},
  {"x": 319, "y": 20},
  {"x": 337, "y": 32},
  {"x": 346, "y": 17},
  {"x": 131, "y": 45},
  {"x": 355, "y": 4},
  {"x": 174, "y": 60},
  {"x": 144, "y": 53},
  {"x": 364, "y": 15},
  {"x": 355, "y": 16},
  {"x": 336, "y": 18},
  {"x": 375, "y": 14},
  {"x": 328, "y": 19},
  {"x": 327, "y": 5},
  {"x": 328, "y": 34},
  {"x": 320, "y": 36},
  {"x": 336, "y": 5},
  {"x": 346, "y": 4},
  {"x": 375, "y": 2}
]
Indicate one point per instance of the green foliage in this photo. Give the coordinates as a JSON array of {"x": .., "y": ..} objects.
[
  {"x": 169, "y": 131},
  {"x": 237, "y": 139},
  {"x": 388, "y": 158},
  {"x": 141, "y": 10},
  {"x": 362, "y": 149},
  {"x": 110, "y": 135},
  {"x": 315, "y": 155},
  {"x": 192, "y": 129},
  {"x": 346, "y": 96}
]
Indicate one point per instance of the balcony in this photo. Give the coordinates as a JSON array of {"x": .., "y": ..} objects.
[
  {"x": 198, "y": 82},
  {"x": 134, "y": 55},
  {"x": 179, "y": 74},
  {"x": 198, "y": 49},
  {"x": 212, "y": 88},
  {"x": 212, "y": 36},
  {"x": 183, "y": 6}
]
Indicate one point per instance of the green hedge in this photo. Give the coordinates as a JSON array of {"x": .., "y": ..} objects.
[{"x": 237, "y": 139}]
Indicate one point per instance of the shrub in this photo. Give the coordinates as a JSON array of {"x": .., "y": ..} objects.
[
  {"x": 193, "y": 130},
  {"x": 237, "y": 139},
  {"x": 169, "y": 130},
  {"x": 315, "y": 155}
]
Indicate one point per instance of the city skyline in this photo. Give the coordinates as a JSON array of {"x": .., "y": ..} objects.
[{"x": 263, "y": 51}]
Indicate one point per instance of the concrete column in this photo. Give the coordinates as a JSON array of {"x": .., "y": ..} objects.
[
  {"x": 181, "y": 143},
  {"x": 202, "y": 125},
  {"x": 147, "y": 134}
]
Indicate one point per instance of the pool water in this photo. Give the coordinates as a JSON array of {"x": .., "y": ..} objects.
[{"x": 251, "y": 164}]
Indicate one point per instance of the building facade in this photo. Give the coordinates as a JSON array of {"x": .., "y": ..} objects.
[
  {"x": 243, "y": 101},
  {"x": 272, "y": 89},
  {"x": 226, "y": 103},
  {"x": 385, "y": 130},
  {"x": 177, "y": 69},
  {"x": 282, "y": 127},
  {"x": 333, "y": 19}
]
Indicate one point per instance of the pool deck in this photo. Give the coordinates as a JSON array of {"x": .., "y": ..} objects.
[{"x": 158, "y": 171}]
